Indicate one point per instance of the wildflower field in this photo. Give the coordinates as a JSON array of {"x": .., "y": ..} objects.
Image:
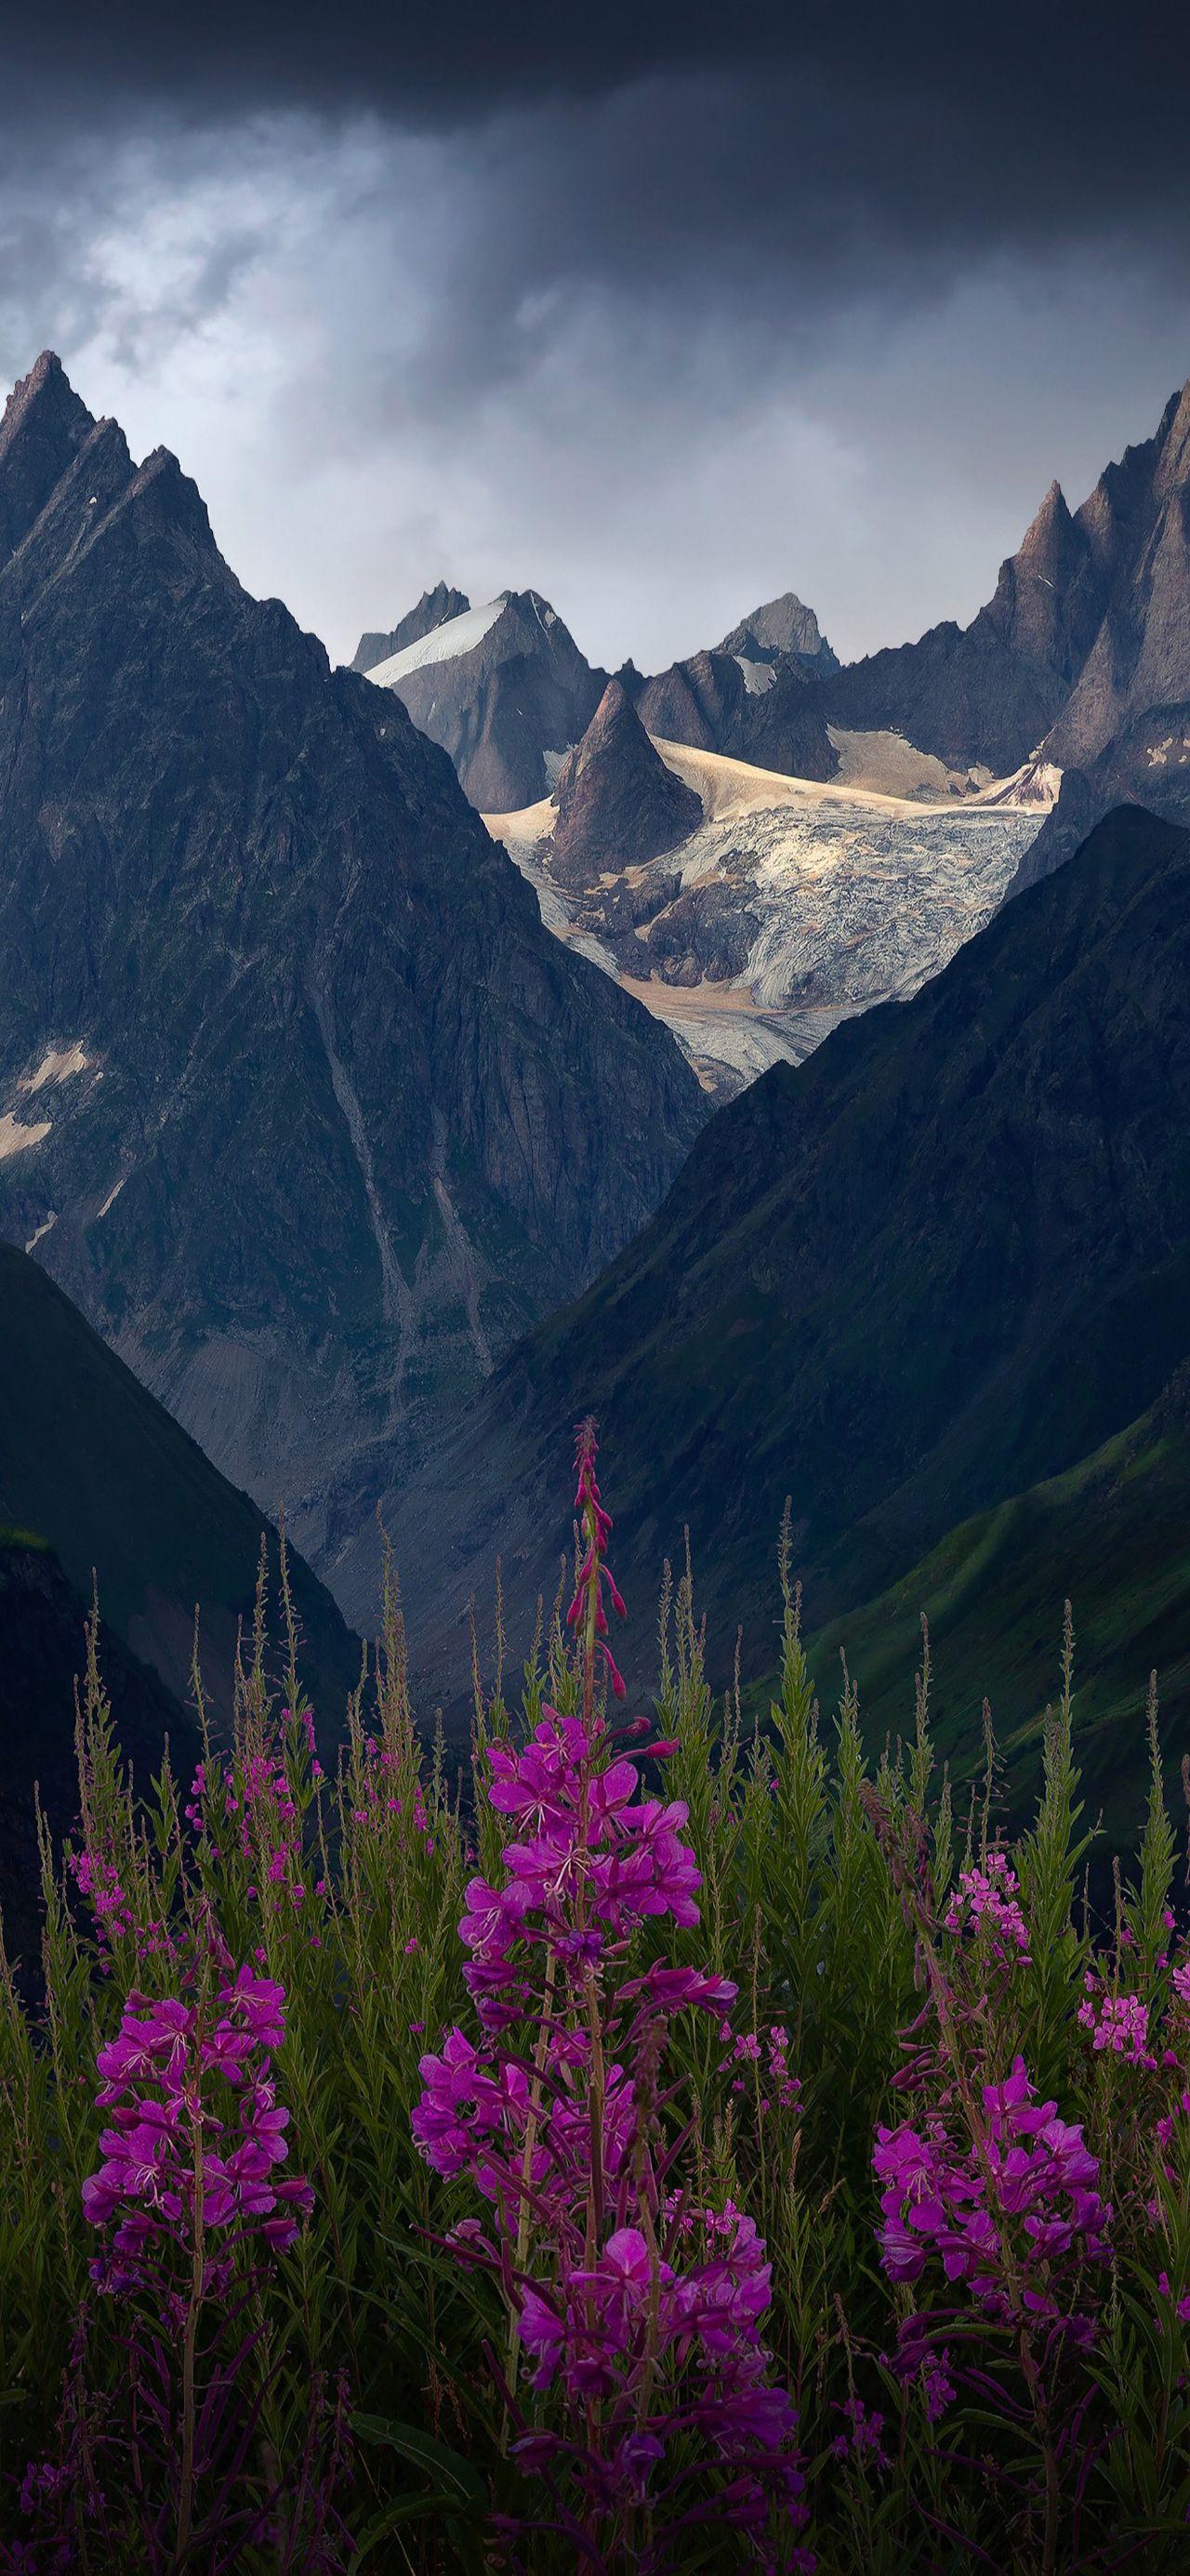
[{"x": 681, "y": 2143}]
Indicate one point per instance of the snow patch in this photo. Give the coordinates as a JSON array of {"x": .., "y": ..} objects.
[
  {"x": 56, "y": 1066},
  {"x": 445, "y": 644},
  {"x": 758, "y": 676},
  {"x": 112, "y": 1196},
  {"x": 15, "y": 1139},
  {"x": 1035, "y": 787},
  {"x": 41, "y": 1229}
]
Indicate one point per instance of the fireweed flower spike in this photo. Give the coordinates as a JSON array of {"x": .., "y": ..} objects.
[
  {"x": 191, "y": 2205},
  {"x": 179, "y": 2153},
  {"x": 635, "y": 2317},
  {"x": 1013, "y": 2218}
]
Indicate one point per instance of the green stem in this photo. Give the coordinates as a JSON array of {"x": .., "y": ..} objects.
[{"x": 189, "y": 2355}]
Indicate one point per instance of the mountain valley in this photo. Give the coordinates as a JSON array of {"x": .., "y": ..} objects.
[{"x": 942, "y": 1260}]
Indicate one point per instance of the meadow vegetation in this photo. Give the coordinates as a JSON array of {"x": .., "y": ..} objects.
[{"x": 680, "y": 2141}]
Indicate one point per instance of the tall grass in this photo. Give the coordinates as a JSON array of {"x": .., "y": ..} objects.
[{"x": 826, "y": 1883}]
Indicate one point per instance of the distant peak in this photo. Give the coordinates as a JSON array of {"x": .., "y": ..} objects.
[
  {"x": 437, "y": 607},
  {"x": 1052, "y": 513},
  {"x": 617, "y": 803},
  {"x": 1173, "y": 466},
  {"x": 47, "y": 385},
  {"x": 43, "y": 426},
  {"x": 781, "y": 625}
]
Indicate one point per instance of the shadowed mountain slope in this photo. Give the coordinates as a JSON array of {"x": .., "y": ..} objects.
[
  {"x": 946, "y": 1257},
  {"x": 297, "y": 1097},
  {"x": 1113, "y": 1536},
  {"x": 95, "y": 1467},
  {"x": 43, "y": 1656},
  {"x": 768, "y": 713}
]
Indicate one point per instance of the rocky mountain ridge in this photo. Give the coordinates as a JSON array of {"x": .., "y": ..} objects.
[
  {"x": 503, "y": 688},
  {"x": 507, "y": 693},
  {"x": 437, "y": 607},
  {"x": 1007, "y": 1155},
  {"x": 298, "y": 1100},
  {"x": 1080, "y": 660}
]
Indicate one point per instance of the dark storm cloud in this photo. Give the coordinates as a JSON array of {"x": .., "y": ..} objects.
[
  {"x": 660, "y": 309},
  {"x": 935, "y": 118}
]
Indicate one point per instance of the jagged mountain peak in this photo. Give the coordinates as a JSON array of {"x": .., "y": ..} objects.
[
  {"x": 783, "y": 625},
  {"x": 43, "y": 426},
  {"x": 614, "y": 716},
  {"x": 618, "y": 804},
  {"x": 46, "y": 383},
  {"x": 254, "y": 936},
  {"x": 1173, "y": 464},
  {"x": 1053, "y": 513},
  {"x": 504, "y": 689},
  {"x": 436, "y": 607}
]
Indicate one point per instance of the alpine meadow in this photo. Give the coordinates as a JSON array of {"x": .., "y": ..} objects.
[{"x": 594, "y": 1292}]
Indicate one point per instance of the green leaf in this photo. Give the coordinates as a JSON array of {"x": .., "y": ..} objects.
[{"x": 456, "y": 2485}]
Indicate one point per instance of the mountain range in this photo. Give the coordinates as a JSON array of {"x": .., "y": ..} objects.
[
  {"x": 945, "y": 1258},
  {"x": 298, "y": 1099},
  {"x": 1079, "y": 660},
  {"x": 869, "y": 817},
  {"x": 358, "y": 1045}
]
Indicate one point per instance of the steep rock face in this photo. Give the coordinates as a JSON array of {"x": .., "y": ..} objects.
[
  {"x": 1140, "y": 656},
  {"x": 1149, "y": 758},
  {"x": 618, "y": 805},
  {"x": 43, "y": 428},
  {"x": 505, "y": 692},
  {"x": 784, "y": 626},
  {"x": 1124, "y": 730},
  {"x": 297, "y": 1097},
  {"x": 990, "y": 692},
  {"x": 986, "y": 694},
  {"x": 768, "y": 714},
  {"x": 944, "y": 1258},
  {"x": 436, "y": 607},
  {"x": 1083, "y": 652}
]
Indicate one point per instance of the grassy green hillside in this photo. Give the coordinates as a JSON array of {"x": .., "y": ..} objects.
[
  {"x": 1113, "y": 1536},
  {"x": 92, "y": 1464}
]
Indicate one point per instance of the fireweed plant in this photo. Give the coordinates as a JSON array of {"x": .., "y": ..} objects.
[
  {"x": 683, "y": 2143},
  {"x": 635, "y": 2373}
]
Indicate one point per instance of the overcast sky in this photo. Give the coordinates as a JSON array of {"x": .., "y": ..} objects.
[{"x": 654, "y": 313}]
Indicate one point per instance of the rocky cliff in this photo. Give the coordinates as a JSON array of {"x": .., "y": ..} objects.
[
  {"x": 503, "y": 689},
  {"x": 765, "y": 712},
  {"x": 297, "y": 1097},
  {"x": 436, "y": 607},
  {"x": 618, "y": 806}
]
